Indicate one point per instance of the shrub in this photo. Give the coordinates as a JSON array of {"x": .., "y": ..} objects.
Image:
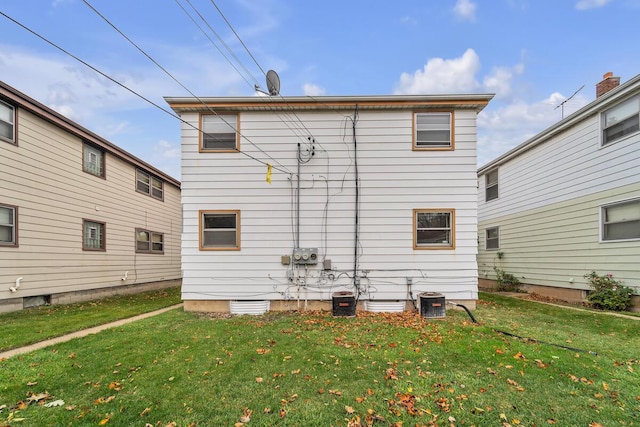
[
  {"x": 608, "y": 293},
  {"x": 507, "y": 282}
]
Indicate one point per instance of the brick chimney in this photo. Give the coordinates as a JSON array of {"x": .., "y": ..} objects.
[{"x": 608, "y": 82}]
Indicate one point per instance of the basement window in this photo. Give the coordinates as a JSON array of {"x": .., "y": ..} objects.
[
  {"x": 434, "y": 229},
  {"x": 220, "y": 230}
]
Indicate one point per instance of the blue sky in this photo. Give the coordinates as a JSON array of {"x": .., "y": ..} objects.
[{"x": 533, "y": 54}]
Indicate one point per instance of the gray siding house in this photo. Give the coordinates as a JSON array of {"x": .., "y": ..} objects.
[
  {"x": 79, "y": 216},
  {"x": 567, "y": 201}
]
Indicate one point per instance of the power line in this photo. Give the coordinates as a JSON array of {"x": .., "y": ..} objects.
[
  {"x": 127, "y": 88},
  {"x": 175, "y": 79}
]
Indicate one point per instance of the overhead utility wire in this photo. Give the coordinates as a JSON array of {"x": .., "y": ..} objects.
[
  {"x": 261, "y": 69},
  {"x": 125, "y": 87},
  {"x": 176, "y": 80}
]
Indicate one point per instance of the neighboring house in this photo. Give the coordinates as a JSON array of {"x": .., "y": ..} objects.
[
  {"x": 79, "y": 217},
  {"x": 567, "y": 201},
  {"x": 374, "y": 195}
]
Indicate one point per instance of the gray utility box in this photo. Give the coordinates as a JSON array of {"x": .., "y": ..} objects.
[{"x": 305, "y": 256}]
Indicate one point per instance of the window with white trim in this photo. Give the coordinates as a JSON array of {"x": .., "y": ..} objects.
[
  {"x": 491, "y": 185},
  {"x": 621, "y": 221},
  {"x": 7, "y": 123},
  {"x": 219, "y": 132},
  {"x": 219, "y": 230},
  {"x": 621, "y": 120},
  {"x": 434, "y": 229},
  {"x": 433, "y": 131},
  {"x": 492, "y": 238},
  {"x": 149, "y": 185},
  {"x": 149, "y": 241},
  {"x": 94, "y": 235},
  {"x": 93, "y": 160},
  {"x": 8, "y": 225}
]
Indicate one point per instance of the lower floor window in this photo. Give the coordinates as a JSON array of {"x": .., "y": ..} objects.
[
  {"x": 8, "y": 225},
  {"x": 493, "y": 238},
  {"x": 434, "y": 228},
  {"x": 621, "y": 221},
  {"x": 94, "y": 236},
  {"x": 220, "y": 230},
  {"x": 149, "y": 241}
]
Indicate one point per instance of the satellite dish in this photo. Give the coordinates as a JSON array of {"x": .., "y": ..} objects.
[{"x": 273, "y": 83}]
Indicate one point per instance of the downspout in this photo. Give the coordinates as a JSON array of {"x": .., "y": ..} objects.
[
  {"x": 356, "y": 279},
  {"x": 298, "y": 201}
]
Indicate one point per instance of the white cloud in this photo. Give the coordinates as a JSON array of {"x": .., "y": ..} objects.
[
  {"x": 443, "y": 76},
  {"x": 590, "y": 4},
  {"x": 167, "y": 149},
  {"x": 500, "y": 80},
  {"x": 311, "y": 89},
  {"x": 465, "y": 9}
]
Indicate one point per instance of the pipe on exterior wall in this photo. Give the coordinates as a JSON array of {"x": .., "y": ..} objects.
[{"x": 15, "y": 288}]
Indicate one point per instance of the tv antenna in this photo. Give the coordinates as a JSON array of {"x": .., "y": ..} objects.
[
  {"x": 561, "y": 105},
  {"x": 273, "y": 84}
]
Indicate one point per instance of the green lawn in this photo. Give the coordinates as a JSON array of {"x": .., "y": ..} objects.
[
  {"x": 292, "y": 369},
  {"x": 25, "y": 327}
]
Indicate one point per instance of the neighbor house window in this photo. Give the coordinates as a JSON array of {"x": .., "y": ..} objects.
[
  {"x": 491, "y": 185},
  {"x": 621, "y": 221},
  {"x": 93, "y": 160},
  {"x": 492, "y": 238},
  {"x": 94, "y": 235},
  {"x": 434, "y": 229},
  {"x": 8, "y": 225},
  {"x": 433, "y": 131},
  {"x": 149, "y": 185},
  {"x": 219, "y": 132},
  {"x": 220, "y": 230},
  {"x": 621, "y": 120},
  {"x": 149, "y": 242},
  {"x": 7, "y": 123}
]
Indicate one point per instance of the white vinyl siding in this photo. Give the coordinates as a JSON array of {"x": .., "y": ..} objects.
[
  {"x": 93, "y": 160},
  {"x": 8, "y": 225},
  {"x": 433, "y": 130},
  {"x": 492, "y": 238},
  {"x": 621, "y": 120},
  {"x": 621, "y": 221},
  {"x": 219, "y": 132},
  {"x": 394, "y": 181}
]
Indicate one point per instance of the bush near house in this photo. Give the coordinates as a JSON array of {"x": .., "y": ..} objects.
[
  {"x": 507, "y": 282},
  {"x": 608, "y": 293}
]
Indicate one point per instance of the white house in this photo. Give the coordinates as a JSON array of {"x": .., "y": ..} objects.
[
  {"x": 80, "y": 218},
  {"x": 567, "y": 201},
  {"x": 287, "y": 200}
]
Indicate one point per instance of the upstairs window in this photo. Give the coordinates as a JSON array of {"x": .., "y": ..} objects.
[
  {"x": 433, "y": 131},
  {"x": 220, "y": 230},
  {"x": 492, "y": 238},
  {"x": 219, "y": 132},
  {"x": 94, "y": 238},
  {"x": 93, "y": 160},
  {"x": 491, "y": 185},
  {"x": 7, "y": 123},
  {"x": 149, "y": 242},
  {"x": 621, "y": 120},
  {"x": 621, "y": 221},
  {"x": 8, "y": 225},
  {"x": 149, "y": 185},
  {"x": 434, "y": 229}
]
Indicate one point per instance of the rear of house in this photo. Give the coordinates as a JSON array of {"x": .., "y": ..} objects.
[
  {"x": 79, "y": 217},
  {"x": 567, "y": 201},
  {"x": 288, "y": 201}
]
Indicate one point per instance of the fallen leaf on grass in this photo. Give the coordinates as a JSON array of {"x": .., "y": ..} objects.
[
  {"x": 115, "y": 386},
  {"x": 104, "y": 421},
  {"x": 349, "y": 409},
  {"x": 54, "y": 403},
  {"x": 32, "y": 383},
  {"x": 259, "y": 379},
  {"x": 246, "y": 415},
  {"x": 33, "y": 397},
  {"x": 595, "y": 425},
  {"x": 145, "y": 412}
]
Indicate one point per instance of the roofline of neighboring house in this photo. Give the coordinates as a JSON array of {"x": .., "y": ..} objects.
[
  {"x": 364, "y": 102},
  {"x": 601, "y": 103},
  {"x": 23, "y": 101}
]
